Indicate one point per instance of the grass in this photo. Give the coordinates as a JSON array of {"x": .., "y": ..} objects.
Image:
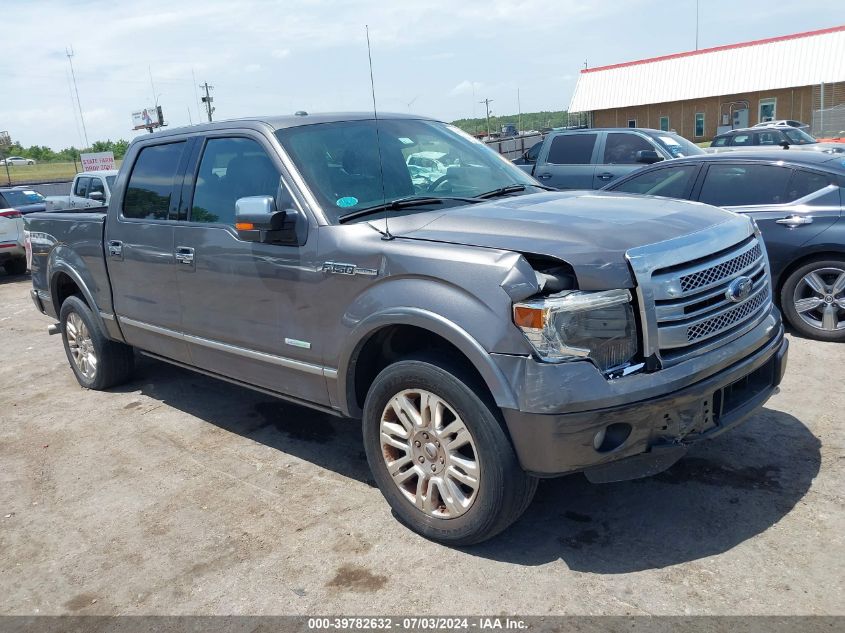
[{"x": 41, "y": 172}]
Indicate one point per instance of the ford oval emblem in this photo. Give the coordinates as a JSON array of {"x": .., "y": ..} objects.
[{"x": 739, "y": 289}]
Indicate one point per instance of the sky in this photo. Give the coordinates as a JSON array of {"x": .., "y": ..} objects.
[{"x": 433, "y": 57}]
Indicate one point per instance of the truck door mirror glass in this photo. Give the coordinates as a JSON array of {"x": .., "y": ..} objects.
[
  {"x": 257, "y": 220},
  {"x": 648, "y": 156}
]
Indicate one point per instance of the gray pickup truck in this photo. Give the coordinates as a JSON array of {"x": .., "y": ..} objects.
[
  {"x": 592, "y": 158},
  {"x": 487, "y": 332}
]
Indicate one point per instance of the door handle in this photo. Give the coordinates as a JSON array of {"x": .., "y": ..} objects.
[
  {"x": 116, "y": 248},
  {"x": 605, "y": 176},
  {"x": 793, "y": 221},
  {"x": 184, "y": 255},
  {"x": 544, "y": 176}
]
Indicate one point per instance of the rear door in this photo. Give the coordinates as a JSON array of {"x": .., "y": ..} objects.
[
  {"x": 247, "y": 307},
  {"x": 619, "y": 156},
  {"x": 140, "y": 250},
  {"x": 790, "y": 205},
  {"x": 567, "y": 161}
]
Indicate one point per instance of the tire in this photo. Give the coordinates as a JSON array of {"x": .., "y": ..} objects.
[
  {"x": 83, "y": 338},
  {"x": 813, "y": 299},
  {"x": 15, "y": 266},
  {"x": 463, "y": 515}
]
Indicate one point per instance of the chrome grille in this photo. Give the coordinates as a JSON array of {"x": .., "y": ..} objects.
[
  {"x": 728, "y": 318},
  {"x": 691, "y": 305},
  {"x": 716, "y": 273}
]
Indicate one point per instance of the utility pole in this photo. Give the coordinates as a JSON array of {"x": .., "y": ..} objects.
[
  {"x": 487, "y": 103},
  {"x": 207, "y": 100},
  {"x": 696, "y": 24},
  {"x": 519, "y": 109},
  {"x": 69, "y": 53}
]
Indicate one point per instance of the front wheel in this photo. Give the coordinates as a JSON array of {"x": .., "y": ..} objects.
[
  {"x": 440, "y": 456},
  {"x": 813, "y": 299},
  {"x": 97, "y": 362}
]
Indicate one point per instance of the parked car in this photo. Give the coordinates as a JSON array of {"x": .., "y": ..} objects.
[
  {"x": 17, "y": 160},
  {"x": 485, "y": 331},
  {"x": 797, "y": 201},
  {"x": 591, "y": 158},
  {"x": 12, "y": 253},
  {"x": 88, "y": 189},
  {"x": 784, "y": 123},
  {"x": 22, "y": 199},
  {"x": 426, "y": 167},
  {"x": 770, "y": 137}
]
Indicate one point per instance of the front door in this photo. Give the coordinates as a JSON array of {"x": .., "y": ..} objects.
[
  {"x": 619, "y": 157},
  {"x": 140, "y": 255},
  {"x": 247, "y": 308}
]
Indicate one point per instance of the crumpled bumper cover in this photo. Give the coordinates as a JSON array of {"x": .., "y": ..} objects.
[{"x": 659, "y": 429}]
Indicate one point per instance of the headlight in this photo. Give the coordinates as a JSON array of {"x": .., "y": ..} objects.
[{"x": 575, "y": 324}]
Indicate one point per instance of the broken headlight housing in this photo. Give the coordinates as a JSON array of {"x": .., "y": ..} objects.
[{"x": 575, "y": 324}]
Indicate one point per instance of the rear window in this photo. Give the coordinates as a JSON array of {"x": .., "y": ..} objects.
[
  {"x": 572, "y": 149},
  {"x": 151, "y": 183}
]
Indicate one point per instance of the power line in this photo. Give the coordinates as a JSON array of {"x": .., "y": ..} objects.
[
  {"x": 207, "y": 99},
  {"x": 78, "y": 102}
]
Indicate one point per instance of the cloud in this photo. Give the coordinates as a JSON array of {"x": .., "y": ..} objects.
[
  {"x": 280, "y": 53},
  {"x": 252, "y": 68},
  {"x": 466, "y": 87}
]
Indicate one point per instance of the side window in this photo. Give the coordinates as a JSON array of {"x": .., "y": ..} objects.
[
  {"x": 534, "y": 151},
  {"x": 151, "y": 182},
  {"x": 671, "y": 182},
  {"x": 720, "y": 141},
  {"x": 767, "y": 138},
  {"x": 81, "y": 188},
  {"x": 231, "y": 168},
  {"x": 742, "y": 139},
  {"x": 572, "y": 149},
  {"x": 803, "y": 183},
  {"x": 621, "y": 149},
  {"x": 734, "y": 185},
  {"x": 97, "y": 186}
]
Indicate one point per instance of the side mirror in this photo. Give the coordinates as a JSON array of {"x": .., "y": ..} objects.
[
  {"x": 528, "y": 158},
  {"x": 257, "y": 220},
  {"x": 99, "y": 196},
  {"x": 648, "y": 157},
  {"x": 784, "y": 144}
]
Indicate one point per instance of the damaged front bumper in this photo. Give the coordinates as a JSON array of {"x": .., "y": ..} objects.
[{"x": 639, "y": 425}]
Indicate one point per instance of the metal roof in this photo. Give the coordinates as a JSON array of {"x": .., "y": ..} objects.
[{"x": 801, "y": 59}]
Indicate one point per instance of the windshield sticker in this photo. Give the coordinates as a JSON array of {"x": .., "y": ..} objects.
[
  {"x": 405, "y": 141},
  {"x": 346, "y": 202}
]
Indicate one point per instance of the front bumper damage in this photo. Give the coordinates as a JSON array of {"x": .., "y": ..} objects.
[{"x": 638, "y": 425}]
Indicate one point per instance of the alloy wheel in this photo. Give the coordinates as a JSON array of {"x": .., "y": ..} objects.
[
  {"x": 430, "y": 453},
  {"x": 819, "y": 299},
  {"x": 81, "y": 346}
]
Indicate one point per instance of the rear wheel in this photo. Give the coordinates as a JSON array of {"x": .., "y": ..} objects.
[
  {"x": 440, "y": 456},
  {"x": 813, "y": 299},
  {"x": 97, "y": 362},
  {"x": 15, "y": 266}
]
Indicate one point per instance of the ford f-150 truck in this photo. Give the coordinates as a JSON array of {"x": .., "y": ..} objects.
[
  {"x": 88, "y": 189},
  {"x": 487, "y": 332}
]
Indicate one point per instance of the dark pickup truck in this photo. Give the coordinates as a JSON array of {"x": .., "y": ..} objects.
[{"x": 485, "y": 331}]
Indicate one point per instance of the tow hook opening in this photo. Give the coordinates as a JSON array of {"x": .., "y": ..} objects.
[{"x": 611, "y": 437}]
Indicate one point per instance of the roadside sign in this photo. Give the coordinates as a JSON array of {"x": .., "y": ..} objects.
[
  {"x": 147, "y": 119},
  {"x": 98, "y": 161}
]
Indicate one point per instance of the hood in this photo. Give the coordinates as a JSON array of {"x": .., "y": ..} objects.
[{"x": 591, "y": 231}]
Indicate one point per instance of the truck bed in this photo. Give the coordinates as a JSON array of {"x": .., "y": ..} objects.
[{"x": 69, "y": 240}]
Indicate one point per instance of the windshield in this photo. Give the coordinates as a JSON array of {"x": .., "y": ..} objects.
[
  {"x": 799, "y": 137},
  {"x": 678, "y": 146},
  {"x": 340, "y": 162},
  {"x": 22, "y": 197}
]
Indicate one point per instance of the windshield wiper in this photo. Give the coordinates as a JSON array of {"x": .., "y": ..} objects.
[
  {"x": 401, "y": 203},
  {"x": 503, "y": 191}
]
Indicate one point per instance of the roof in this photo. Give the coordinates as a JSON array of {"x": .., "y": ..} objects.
[
  {"x": 281, "y": 121},
  {"x": 801, "y": 59},
  {"x": 791, "y": 157}
]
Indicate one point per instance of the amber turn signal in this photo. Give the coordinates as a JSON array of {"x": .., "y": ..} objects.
[
  {"x": 244, "y": 226},
  {"x": 527, "y": 316}
]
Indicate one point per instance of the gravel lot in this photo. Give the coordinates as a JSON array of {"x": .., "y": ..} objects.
[{"x": 180, "y": 494}]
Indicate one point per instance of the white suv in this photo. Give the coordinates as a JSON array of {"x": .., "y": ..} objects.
[{"x": 12, "y": 253}]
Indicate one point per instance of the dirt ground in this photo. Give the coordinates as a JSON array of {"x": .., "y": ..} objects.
[{"x": 180, "y": 494}]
